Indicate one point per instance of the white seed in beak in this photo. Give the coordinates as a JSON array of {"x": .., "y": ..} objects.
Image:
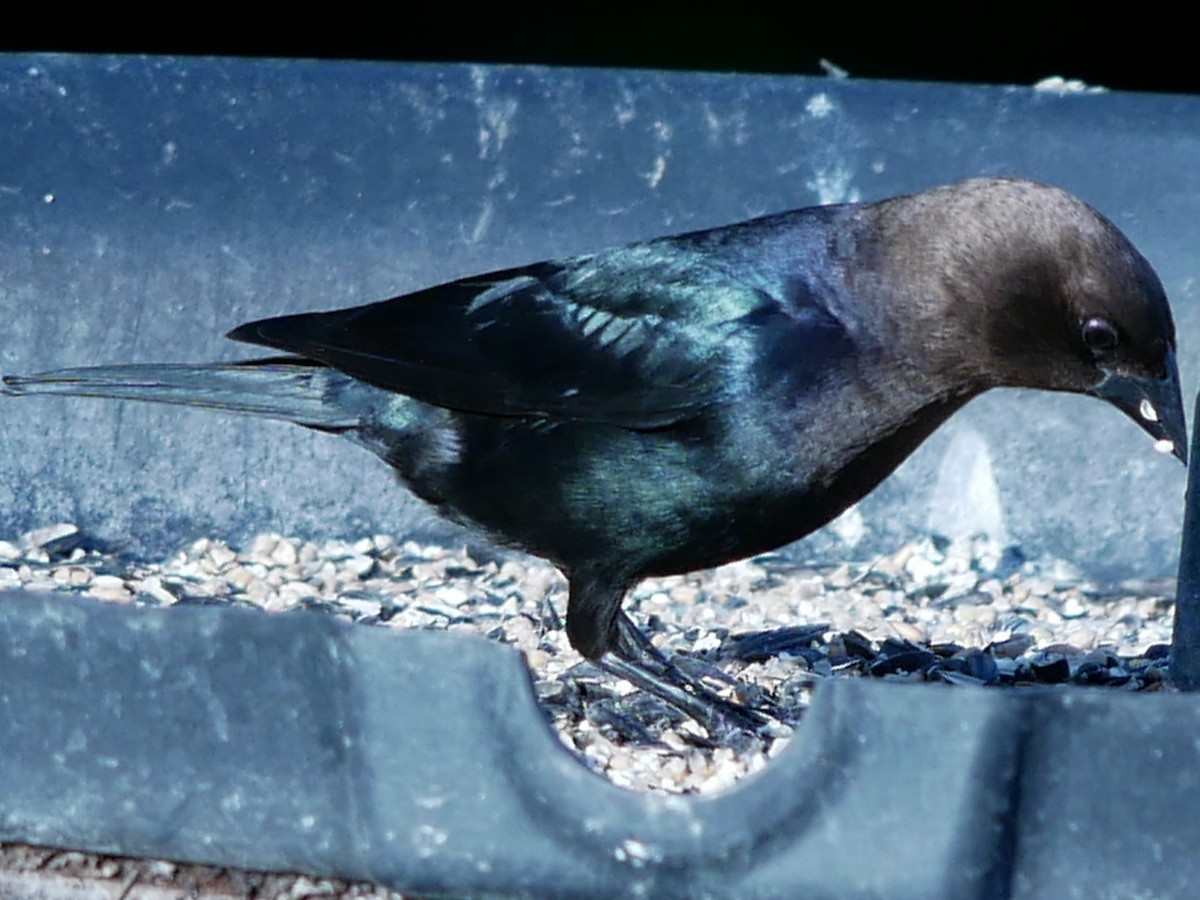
[
  {"x": 1147, "y": 411},
  {"x": 1164, "y": 446}
]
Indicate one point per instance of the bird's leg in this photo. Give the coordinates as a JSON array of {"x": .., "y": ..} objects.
[
  {"x": 599, "y": 629},
  {"x": 638, "y": 661}
]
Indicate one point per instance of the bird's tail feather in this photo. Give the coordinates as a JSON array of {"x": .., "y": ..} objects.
[{"x": 294, "y": 391}]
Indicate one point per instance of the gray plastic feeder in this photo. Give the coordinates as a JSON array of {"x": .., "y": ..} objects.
[{"x": 147, "y": 206}]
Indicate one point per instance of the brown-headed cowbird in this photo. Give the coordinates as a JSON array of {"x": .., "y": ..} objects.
[{"x": 678, "y": 403}]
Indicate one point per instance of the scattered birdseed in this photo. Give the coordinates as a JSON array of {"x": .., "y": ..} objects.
[
  {"x": 43, "y": 872},
  {"x": 763, "y": 631}
]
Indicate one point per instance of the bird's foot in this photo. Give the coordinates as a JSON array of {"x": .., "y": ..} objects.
[
  {"x": 712, "y": 711},
  {"x": 642, "y": 664}
]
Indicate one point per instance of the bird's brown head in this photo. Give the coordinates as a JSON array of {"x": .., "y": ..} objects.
[{"x": 1060, "y": 300}]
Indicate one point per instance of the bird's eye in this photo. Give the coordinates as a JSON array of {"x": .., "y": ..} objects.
[{"x": 1099, "y": 335}]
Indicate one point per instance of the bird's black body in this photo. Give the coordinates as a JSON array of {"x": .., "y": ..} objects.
[
  {"x": 641, "y": 411},
  {"x": 679, "y": 403}
]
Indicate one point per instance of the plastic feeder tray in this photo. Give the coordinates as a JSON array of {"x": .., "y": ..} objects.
[{"x": 149, "y": 205}]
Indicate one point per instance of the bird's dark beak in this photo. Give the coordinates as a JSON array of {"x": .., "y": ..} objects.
[{"x": 1156, "y": 404}]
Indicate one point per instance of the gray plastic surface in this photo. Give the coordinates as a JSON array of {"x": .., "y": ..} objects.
[
  {"x": 148, "y": 205},
  {"x": 1185, "y": 632},
  {"x": 420, "y": 760}
]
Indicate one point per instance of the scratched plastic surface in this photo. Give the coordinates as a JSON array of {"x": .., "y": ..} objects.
[
  {"x": 149, "y": 205},
  {"x": 419, "y": 760},
  {"x": 146, "y": 206}
]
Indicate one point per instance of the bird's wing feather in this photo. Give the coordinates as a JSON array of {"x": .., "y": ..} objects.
[{"x": 637, "y": 337}]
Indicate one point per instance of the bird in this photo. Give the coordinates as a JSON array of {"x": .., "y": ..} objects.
[{"x": 681, "y": 402}]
